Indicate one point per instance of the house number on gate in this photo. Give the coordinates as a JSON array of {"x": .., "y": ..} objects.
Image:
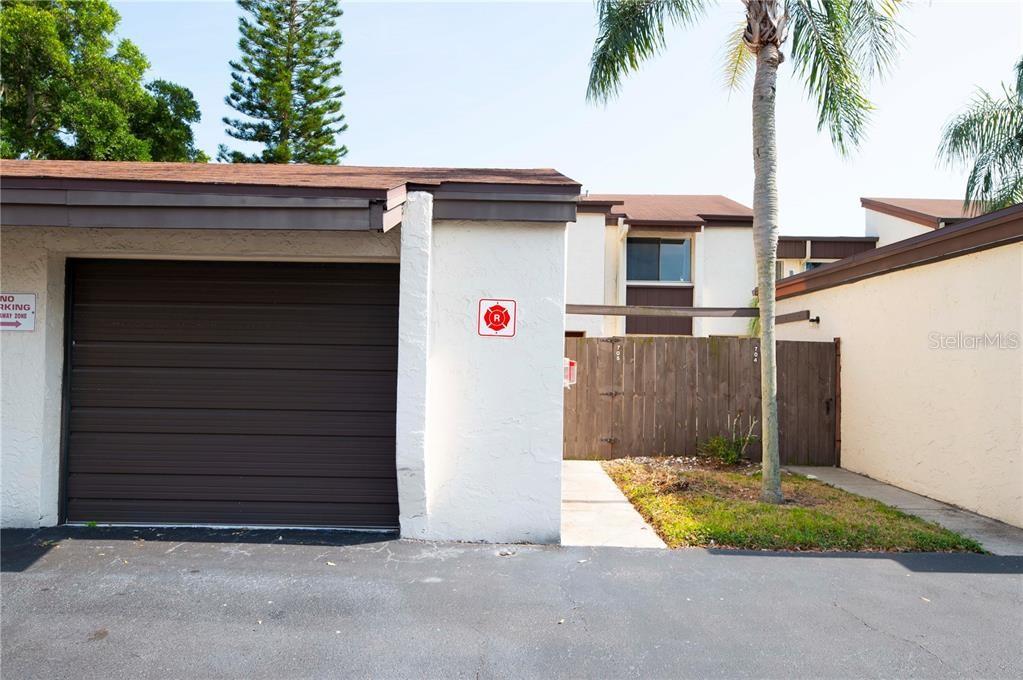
[{"x": 756, "y": 353}]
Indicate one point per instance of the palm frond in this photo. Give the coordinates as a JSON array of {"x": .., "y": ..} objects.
[
  {"x": 630, "y": 32},
  {"x": 988, "y": 137},
  {"x": 738, "y": 58},
  {"x": 1019, "y": 79},
  {"x": 875, "y": 35},
  {"x": 823, "y": 58}
]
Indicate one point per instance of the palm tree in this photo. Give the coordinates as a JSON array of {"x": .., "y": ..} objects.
[
  {"x": 989, "y": 134},
  {"x": 837, "y": 46}
]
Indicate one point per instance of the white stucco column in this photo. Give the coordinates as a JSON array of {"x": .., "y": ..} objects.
[{"x": 413, "y": 359}]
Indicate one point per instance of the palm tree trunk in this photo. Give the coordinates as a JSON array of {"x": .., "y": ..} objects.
[{"x": 765, "y": 245}]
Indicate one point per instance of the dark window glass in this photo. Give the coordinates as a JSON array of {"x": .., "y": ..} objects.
[
  {"x": 675, "y": 265},
  {"x": 651, "y": 259},
  {"x": 641, "y": 259}
]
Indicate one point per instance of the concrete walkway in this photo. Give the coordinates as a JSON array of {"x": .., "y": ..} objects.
[
  {"x": 996, "y": 537},
  {"x": 594, "y": 512}
]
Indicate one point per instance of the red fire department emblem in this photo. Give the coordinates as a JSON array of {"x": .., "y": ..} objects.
[{"x": 497, "y": 317}]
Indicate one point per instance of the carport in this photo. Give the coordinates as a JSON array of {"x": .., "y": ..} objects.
[{"x": 285, "y": 346}]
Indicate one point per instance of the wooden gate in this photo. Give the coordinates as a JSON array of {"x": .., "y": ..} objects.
[{"x": 656, "y": 396}]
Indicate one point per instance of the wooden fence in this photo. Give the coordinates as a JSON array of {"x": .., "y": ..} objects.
[{"x": 653, "y": 396}]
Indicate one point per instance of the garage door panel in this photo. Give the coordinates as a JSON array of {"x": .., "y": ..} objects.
[
  {"x": 166, "y": 290},
  {"x": 310, "y": 274},
  {"x": 234, "y": 388},
  {"x": 380, "y": 424},
  {"x": 276, "y": 455},
  {"x": 237, "y": 324},
  {"x": 247, "y": 393},
  {"x": 263, "y": 356},
  {"x": 253, "y": 513},
  {"x": 233, "y": 488}
]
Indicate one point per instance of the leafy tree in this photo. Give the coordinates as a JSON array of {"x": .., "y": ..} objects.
[
  {"x": 837, "y": 45},
  {"x": 285, "y": 83},
  {"x": 69, "y": 93},
  {"x": 989, "y": 135}
]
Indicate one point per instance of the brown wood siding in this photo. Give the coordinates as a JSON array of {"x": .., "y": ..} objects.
[
  {"x": 659, "y": 296},
  {"x": 232, "y": 393},
  {"x": 791, "y": 250},
  {"x": 839, "y": 249},
  {"x": 639, "y": 396}
]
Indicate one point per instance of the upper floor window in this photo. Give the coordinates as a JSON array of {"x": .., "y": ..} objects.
[{"x": 658, "y": 259}]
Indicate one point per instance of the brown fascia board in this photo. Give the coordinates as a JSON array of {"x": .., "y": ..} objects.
[
  {"x": 604, "y": 207},
  {"x": 688, "y": 225},
  {"x": 904, "y": 213},
  {"x": 161, "y": 204},
  {"x": 995, "y": 229},
  {"x": 831, "y": 239},
  {"x": 726, "y": 220}
]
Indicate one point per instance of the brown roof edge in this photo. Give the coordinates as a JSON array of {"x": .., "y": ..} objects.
[
  {"x": 594, "y": 206},
  {"x": 932, "y": 217},
  {"x": 831, "y": 239},
  {"x": 664, "y": 223},
  {"x": 980, "y": 233},
  {"x": 726, "y": 220}
]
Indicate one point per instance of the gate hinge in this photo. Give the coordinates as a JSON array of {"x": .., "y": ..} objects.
[
  {"x": 609, "y": 440},
  {"x": 612, "y": 393}
]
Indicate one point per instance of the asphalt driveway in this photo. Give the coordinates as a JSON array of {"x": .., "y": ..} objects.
[{"x": 95, "y": 603}]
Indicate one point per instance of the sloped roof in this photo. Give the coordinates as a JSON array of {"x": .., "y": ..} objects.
[
  {"x": 283, "y": 175},
  {"x": 667, "y": 209},
  {"x": 927, "y": 211}
]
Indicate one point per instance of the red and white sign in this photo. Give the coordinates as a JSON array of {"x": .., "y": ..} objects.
[
  {"x": 17, "y": 311},
  {"x": 570, "y": 372},
  {"x": 496, "y": 318}
]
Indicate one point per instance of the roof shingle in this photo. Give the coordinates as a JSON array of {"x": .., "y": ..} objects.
[
  {"x": 317, "y": 176},
  {"x": 672, "y": 208}
]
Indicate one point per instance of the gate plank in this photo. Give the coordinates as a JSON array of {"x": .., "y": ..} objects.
[{"x": 673, "y": 392}]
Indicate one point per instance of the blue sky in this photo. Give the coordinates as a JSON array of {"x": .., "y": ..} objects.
[{"x": 502, "y": 85}]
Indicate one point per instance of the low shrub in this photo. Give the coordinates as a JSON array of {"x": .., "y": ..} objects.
[{"x": 732, "y": 448}]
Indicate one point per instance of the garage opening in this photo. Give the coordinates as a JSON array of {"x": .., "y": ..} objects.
[{"x": 232, "y": 393}]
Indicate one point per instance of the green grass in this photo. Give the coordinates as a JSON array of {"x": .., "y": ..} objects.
[{"x": 720, "y": 508}]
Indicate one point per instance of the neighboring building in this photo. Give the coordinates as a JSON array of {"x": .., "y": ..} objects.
[
  {"x": 895, "y": 219},
  {"x": 931, "y": 360},
  {"x": 805, "y": 253},
  {"x": 284, "y": 345},
  {"x": 664, "y": 250}
]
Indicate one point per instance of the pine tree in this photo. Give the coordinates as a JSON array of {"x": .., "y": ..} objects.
[{"x": 285, "y": 83}]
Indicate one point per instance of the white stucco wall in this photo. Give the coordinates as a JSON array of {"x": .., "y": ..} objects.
[
  {"x": 889, "y": 229},
  {"x": 614, "y": 276},
  {"x": 791, "y": 267},
  {"x": 945, "y": 422},
  {"x": 725, "y": 275},
  {"x": 585, "y": 268},
  {"x": 411, "y": 417},
  {"x": 31, "y": 363},
  {"x": 479, "y": 419},
  {"x": 494, "y": 440}
]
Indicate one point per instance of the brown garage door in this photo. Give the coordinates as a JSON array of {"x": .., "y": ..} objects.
[{"x": 249, "y": 393}]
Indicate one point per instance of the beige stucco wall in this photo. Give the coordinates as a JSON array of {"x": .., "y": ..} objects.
[
  {"x": 889, "y": 229},
  {"x": 725, "y": 274},
  {"x": 585, "y": 276},
  {"x": 923, "y": 406},
  {"x": 31, "y": 363}
]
